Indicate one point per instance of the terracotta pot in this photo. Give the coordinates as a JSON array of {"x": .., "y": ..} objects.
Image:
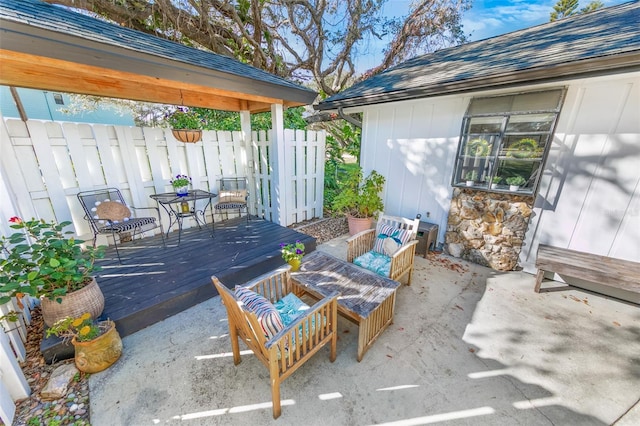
[
  {"x": 357, "y": 224},
  {"x": 295, "y": 264},
  {"x": 187, "y": 135},
  {"x": 88, "y": 299},
  {"x": 98, "y": 354}
]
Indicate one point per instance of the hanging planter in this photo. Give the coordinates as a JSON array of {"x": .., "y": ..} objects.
[
  {"x": 187, "y": 135},
  {"x": 186, "y": 125}
]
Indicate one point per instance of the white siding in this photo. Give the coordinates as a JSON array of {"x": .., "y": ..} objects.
[
  {"x": 589, "y": 195},
  {"x": 413, "y": 145}
]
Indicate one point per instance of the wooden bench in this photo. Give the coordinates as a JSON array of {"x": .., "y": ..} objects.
[{"x": 607, "y": 271}]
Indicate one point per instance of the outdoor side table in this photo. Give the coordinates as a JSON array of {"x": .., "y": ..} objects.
[
  {"x": 427, "y": 235},
  {"x": 174, "y": 205}
]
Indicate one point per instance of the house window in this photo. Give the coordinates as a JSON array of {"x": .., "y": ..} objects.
[
  {"x": 504, "y": 141},
  {"x": 59, "y": 100}
]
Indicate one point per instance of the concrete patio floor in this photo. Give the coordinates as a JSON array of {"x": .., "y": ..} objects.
[{"x": 468, "y": 345}]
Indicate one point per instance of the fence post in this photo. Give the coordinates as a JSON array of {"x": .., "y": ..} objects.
[
  {"x": 10, "y": 371},
  {"x": 278, "y": 180}
]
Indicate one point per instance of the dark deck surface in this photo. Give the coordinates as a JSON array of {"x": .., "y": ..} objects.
[{"x": 154, "y": 283}]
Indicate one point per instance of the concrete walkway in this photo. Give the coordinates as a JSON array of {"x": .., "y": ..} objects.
[{"x": 469, "y": 345}]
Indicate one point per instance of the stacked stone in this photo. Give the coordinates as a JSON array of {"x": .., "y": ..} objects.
[{"x": 487, "y": 228}]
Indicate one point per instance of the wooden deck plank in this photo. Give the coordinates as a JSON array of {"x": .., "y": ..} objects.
[{"x": 154, "y": 283}]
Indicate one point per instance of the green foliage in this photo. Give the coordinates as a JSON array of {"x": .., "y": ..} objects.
[
  {"x": 566, "y": 8},
  {"x": 497, "y": 179},
  {"x": 516, "y": 180},
  {"x": 478, "y": 148},
  {"x": 359, "y": 196},
  {"x": 472, "y": 175},
  {"x": 185, "y": 118},
  {"x": 211, "y": 119},
  {"x": 41, "y": 261}
]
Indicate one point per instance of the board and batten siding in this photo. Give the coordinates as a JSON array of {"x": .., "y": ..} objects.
[
  {"x": 588, "y": 197},
  {"x": 413, "y": 145},
  {"x": 589, "y": 194}
]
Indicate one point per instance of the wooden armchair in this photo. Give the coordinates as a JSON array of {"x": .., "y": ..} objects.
[
  {"x": 392, "y": 258},
  {"x": 289, "y": 347},
  {"x": 108, "y": 213}
]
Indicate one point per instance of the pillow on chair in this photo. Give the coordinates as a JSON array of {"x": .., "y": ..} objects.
[
  {"x": 233, "y": 196},
  {"x": 267, "y": 315},
  {"x": 390, "y": 239},
  {"x": 113, "y": 211}
]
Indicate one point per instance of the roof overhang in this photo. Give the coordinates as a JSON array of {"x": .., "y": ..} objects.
[
  {"x": 39, "y": 58},
  {"x": 618, "y": 64}
]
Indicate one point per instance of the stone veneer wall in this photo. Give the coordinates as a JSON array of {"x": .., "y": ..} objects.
[{"x": 487, "y": 228}]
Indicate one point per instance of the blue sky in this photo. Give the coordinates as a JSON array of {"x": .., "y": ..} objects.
[{"x": 486, "y": 18}]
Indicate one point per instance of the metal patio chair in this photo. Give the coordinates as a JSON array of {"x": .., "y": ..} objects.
[
  {"x": 232, "y": 195},
  {"x": 108, "y": 214}
]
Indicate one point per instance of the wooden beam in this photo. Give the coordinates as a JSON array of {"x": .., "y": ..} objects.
[{"x": 37, "y": 72}]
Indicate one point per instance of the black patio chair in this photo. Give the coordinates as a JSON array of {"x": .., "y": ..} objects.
[
  {"x": 108, "y": 214},
  {"x": 232, "y": 195}
]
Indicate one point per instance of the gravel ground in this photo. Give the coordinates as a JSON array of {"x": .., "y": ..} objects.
[
  {"x": 323, "y": 229},
  {"x": 73, "y": 409}
]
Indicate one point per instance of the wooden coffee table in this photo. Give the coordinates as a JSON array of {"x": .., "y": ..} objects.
[{"x": 366, "y": 299}]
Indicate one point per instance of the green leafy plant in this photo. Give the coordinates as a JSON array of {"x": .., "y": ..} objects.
[
  {"x": 497, "y": 180},
  {"x": 180, "y": 181},
  {"x": 83, "y": 328},
  {"x": 185, "y": 118},
  {"x": 359, "y": 196},
  {"x": 472, "y": 175},
  {"x": 292, "y": 251},
  {"x": 41, "y": 261},
  {"x": 516, "y": 180}
]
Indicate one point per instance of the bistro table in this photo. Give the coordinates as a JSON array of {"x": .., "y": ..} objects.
[{"x": 179, "y": 207}]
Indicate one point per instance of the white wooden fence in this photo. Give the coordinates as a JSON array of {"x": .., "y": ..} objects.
[
  {"x": 45, "y": 164},
  {"x": 13, "y": 384}
]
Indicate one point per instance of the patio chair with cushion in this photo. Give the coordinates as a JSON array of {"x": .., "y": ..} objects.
[
  {"x": 387, "y": 250},
  {"x": 108, "y": 214},
  {"x": 282, "y": 331},
  {"x": 232, "y": 195}
]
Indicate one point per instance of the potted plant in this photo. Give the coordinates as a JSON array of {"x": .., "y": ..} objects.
[
  {"x": 181, "y": 184},
  {"x": 97, "y": 344},
  {"x": 360, "y": 199},
  {"x": 471, "y": 178},
  {"x": 292, "y": 254},
  {"x": 515, "y": 182},
  {"x": 495, "y": 182},
  {"x": 186, "y": 125},
  {"x": 42, "y": 262}
]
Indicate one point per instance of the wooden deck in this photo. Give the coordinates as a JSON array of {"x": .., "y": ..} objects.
[{"x": 154, "y": 283}]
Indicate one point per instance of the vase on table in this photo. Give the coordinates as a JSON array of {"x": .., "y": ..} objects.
[
  {"x": 295, "y": 264},
  {"x": 181, "y": 191}
]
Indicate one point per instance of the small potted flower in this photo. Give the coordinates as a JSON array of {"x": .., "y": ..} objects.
[
  {"x": 42, "y": 262},
  {"x": 292, "y": 254},
  {"x": 495, "y": 182},
  {"x": 97, "y": 344},
  {"x": 186, "y": 125},
  {"x": 181, "y": 185}
]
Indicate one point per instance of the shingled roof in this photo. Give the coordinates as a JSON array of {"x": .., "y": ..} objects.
[
  {"x": 600, "y": 42},
  {"x": 34, "y": 29}
]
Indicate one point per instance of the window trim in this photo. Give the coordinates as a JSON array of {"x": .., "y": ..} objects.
[{"x": 497, "y": 140}]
